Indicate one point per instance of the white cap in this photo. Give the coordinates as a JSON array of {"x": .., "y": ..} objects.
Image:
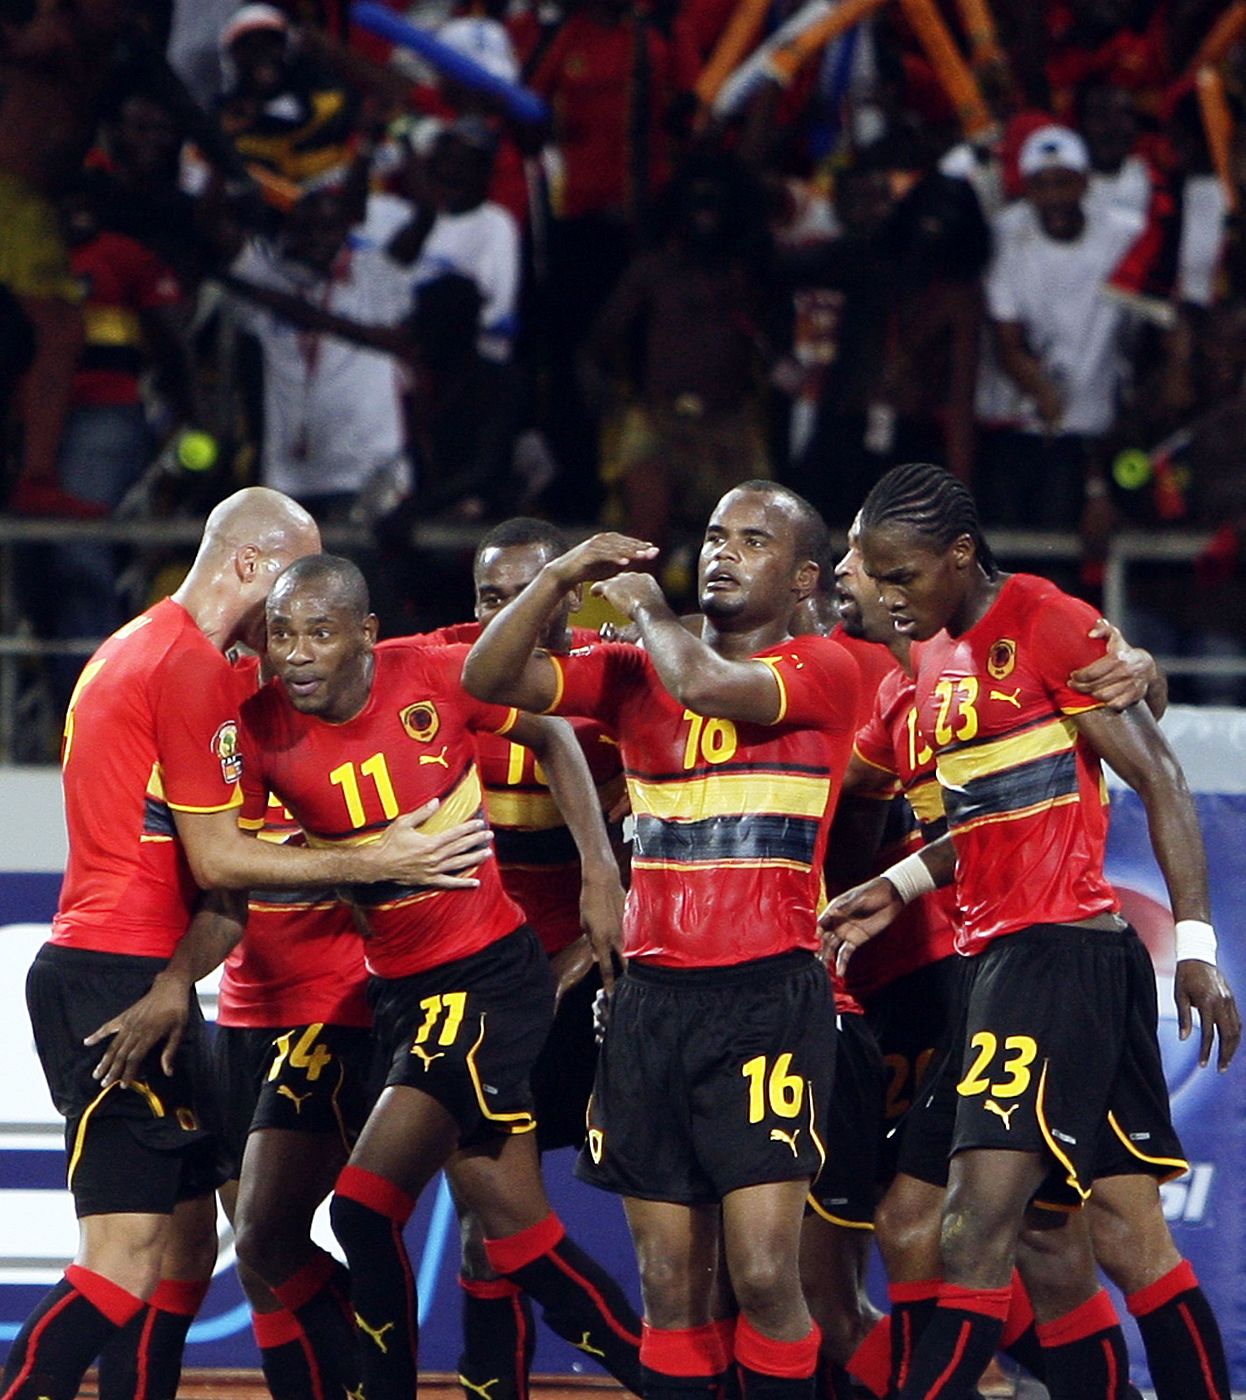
[
  {"x": 251, "y": 18},
  {"x": 1053, "y": 148},
  {"x": 485, "y": 41}
]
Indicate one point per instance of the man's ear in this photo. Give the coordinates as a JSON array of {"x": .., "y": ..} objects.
[
  {"x": 806, "y": 578},
  {"x": 371, "y": 626},
  {"x": 247, "y": 561}
]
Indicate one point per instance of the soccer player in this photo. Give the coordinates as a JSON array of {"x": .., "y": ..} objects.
[
  {"x": 151, "y": 767},
  {"x": 461, "y": 990},
  {"x": 708, "y": 1110},
  {"x": 1055, "y": 967},
  {"x": 540, "y": 871},
  {"x": 293, "y": 1051},
  {"x": 909, "y": 978}
]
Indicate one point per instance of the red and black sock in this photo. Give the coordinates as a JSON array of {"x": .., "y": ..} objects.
[
  {"x": 498, "y": 1339},
  {"x": 870, "y": 1364},
  {"x": 912, "y": 1308},
  {"x": 368, "y": 1213},
  {"x": 957, "y": 1343},
  {"x": 1020, "y": 1336},
  {"x": 579, "y": 1300},
  {"x": 688, "y": 1363},
  {"x": 770, "y": 1369},
  {"x": 318, "y": 1296},
  {"x": 144, "y": 1360},
  {"x": 1184, "y": 1348},
  {"x": 1085, "y": 1353},
  {"x": 286, "y": 1358},
  {"x": 64, "y": 1334}
]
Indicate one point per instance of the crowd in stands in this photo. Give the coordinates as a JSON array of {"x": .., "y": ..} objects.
[{"x": 1001, "y": 239}]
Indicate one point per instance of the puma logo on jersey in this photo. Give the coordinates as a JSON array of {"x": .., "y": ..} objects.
[
  {"x": 356, "y": 1394},
  {"x": 376, "y": 1333},
  {"x": 1013, "y": 699},
  {"x": 482, "y": 1389},
  {"x": 436, "y": 757},
  {"x": 778, "y": 1135},
  {"x": 1005, "y": 1113},
  {"x": 425, "y": 1058},
  {"x": 297, "y": 1100},
  {"x": 586, "y": 1346}
]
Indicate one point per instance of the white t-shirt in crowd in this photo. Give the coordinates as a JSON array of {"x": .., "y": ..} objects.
[
  {"x": 482, "y": 245},
  {"x": 332, "y": 410},
  {"x": 1055, "y": 291}
]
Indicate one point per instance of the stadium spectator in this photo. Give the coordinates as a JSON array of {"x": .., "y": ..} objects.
[{"x": 1059, "y": 340}]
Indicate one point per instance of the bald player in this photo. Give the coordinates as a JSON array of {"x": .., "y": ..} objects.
[{"x": 151, "y": 769}]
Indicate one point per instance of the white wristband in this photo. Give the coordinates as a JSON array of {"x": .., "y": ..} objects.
[
  {"x": 1197, "y": 940},
  {"x": 911, "y": 878}
]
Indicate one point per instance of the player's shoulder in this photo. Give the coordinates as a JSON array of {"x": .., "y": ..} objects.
[
  {"x": 826, "y": 654},
  {"x": 1033, "y": 602}
]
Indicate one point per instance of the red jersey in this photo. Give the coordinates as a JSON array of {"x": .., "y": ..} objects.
[
  {"x": 924, "y": 933},
  {"x": 344, "y": 784},
  {"x": 1023, "y": 793},
  {"x": 731, "y": 819},
  {"x": 301, "y": 958},
  {"x": 151, "y": 729},
  {"x": 874, "y": 662},
  {"x": 537, "y": 856},
  {"x": 587, "y": 77},
  {"x": 122, "y": 278}
]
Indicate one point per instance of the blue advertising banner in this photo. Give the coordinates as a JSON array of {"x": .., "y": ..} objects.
[{"x": 1206, "y": 1208}]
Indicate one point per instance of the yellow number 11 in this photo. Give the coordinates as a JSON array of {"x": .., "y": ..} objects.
[{"x": 374, "y": 768}]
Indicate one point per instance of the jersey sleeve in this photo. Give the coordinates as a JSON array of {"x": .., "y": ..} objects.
[
  {"x": 254, "y": 784},
  {"x": 819, "y": 684},
  {"x": 447, "y": 663},
  {"x": 873, "y": 742},
  {"x": 196, "y": 720},
  {"x": 592, "y": 680},
  {"x": 1062, "y": 644}
]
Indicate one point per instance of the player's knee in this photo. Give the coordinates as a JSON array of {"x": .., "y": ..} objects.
[
  {"x": 257, "y": 1242},
  {"x": 765, "y": 1282},
  {"x": 905, "y": 1224}
]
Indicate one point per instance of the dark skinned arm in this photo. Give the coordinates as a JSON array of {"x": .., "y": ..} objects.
[
  {"x": 392, "y": 340},
  {"x": 162, "y": 1015},
  {"x": 1130, "y": 741},
  {"x": 504, "y": 666},
  {"x": 1123, "y": 675},
  {"x": 601, "y": 892}
]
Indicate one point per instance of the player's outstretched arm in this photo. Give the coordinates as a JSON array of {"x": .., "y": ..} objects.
[
  {"x": 501, "y": 666},
  {"x": 1123, "y": 675},
  {"x": 863, "y": 912},
  {"x": 160, "y": 1017},
  {"x": 696, "y": 675},
  {"x": 601, "y": 890},
  {"x": 1132, "y": 743},
  {"x": 223, "y": 857}
]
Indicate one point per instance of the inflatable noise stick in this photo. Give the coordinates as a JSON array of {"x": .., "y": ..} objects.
[
  {"x": 518, "y": 101},
  {"x": 1227, "y": 31},
  {"x": 735, "y": 41},
  {"x": 1213, "y": 105},
  {"x": 755, "y": 69},
  {"x": 979, "y": 25},
  {"x": 789, "y": 60},
  {"x": 950, "y": 67}
]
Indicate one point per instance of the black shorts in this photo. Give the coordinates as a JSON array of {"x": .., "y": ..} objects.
[
  {"x": 712, "y": 1079},
  {"x": 562, "y": 1078},
  {"x": 138, "y": 1149},
  {"x": 1061, "y": 1058},
  {"x": 468, "y": 1032},
  {"x": 913, "y": 1018},
  {"x": 307, "y": 1079},
  {"x": 846, "y": 1192}
]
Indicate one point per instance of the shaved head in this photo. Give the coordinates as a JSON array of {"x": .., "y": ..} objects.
[{"x": 258, "y": 516}]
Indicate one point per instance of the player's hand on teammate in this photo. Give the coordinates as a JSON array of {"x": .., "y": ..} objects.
[
  {"x": 1121, "y": 677},
  {"x": 1200, "y": 987},
  {"x": 405, "y": 853},
  {"x": 570, "y": 967},
  {"x": 628, "y": 593},
  {"x": 854, "y": 917},
  {"x": 158, "y": 1018},
  {"x": 601, "y": 918},
  {"x": 600, "y": 557}
]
